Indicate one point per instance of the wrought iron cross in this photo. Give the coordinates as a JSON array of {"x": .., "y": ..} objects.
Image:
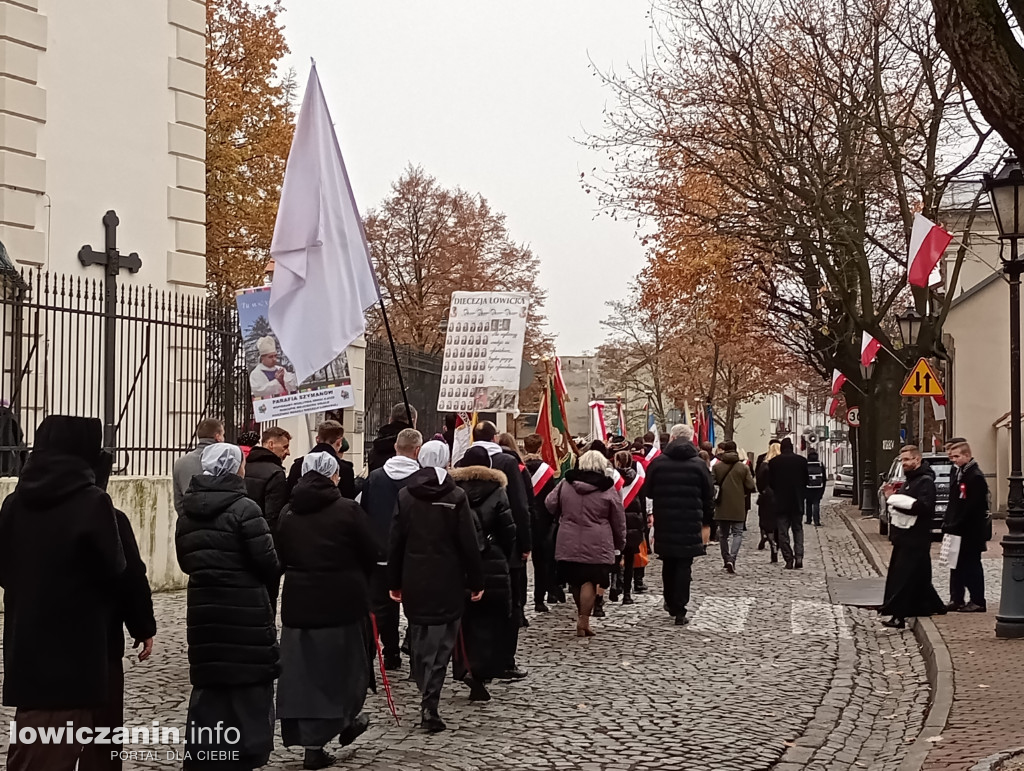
[
  {"x": 113, "y": 261},
  {"x": 110, "y": 257}
]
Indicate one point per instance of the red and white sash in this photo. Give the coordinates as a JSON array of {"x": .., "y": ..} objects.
[{"x": 541, "y": 477}]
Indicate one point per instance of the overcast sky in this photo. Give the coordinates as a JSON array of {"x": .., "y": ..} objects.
[{"x": 487, "y": 96}]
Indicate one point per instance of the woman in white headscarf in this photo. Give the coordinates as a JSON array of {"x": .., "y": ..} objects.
[
  {"x": 224, "y": 545},
  {"x": 328, "y": 555}
]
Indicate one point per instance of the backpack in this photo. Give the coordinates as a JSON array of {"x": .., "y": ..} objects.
[{"x": 815, "y": 476}]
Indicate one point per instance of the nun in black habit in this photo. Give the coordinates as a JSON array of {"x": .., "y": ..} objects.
[{"x": 327, "y": 553}]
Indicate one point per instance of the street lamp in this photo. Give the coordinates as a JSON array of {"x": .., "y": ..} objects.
[
  {"x": 910, "y": 326},
  {"x": 866, "y": 447},
  {"x": 1005, "y": 194}
]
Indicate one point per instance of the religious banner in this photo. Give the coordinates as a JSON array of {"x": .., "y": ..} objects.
[
  {"x": 276, "y": 392},
  {"x": 483, "y": 352}
]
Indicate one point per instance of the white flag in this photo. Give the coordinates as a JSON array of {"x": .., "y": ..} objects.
[{"x": 323, "y": 277}]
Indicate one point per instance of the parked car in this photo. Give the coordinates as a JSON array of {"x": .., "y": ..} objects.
[
  {"x": 942, "y": 466},
  {"x": 843, "y": 483}
]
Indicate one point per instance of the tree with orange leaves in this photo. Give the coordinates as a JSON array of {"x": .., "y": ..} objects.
[
  {"x": 428, "y": 241},
  {"x": 249, "y": 128}
]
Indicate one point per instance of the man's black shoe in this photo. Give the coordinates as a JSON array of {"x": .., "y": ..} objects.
[
  {"x": 682, "y": 621},
  {"x": 515, "y": 673},
  {"x": 972, "y": 607},
  {"x": 317, "y": 759},
  {"x": 540, "y": 607},
  {"x": 392, "y": 663},
  {"x": 789, "y": 564},
  {"x": 355, "y": 730},
  {"x": 799, "y": 565},
  {"x": 431, "y": 722}
]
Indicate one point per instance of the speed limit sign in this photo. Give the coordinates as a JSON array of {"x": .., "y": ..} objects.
[{"x": 853, "y": 417}]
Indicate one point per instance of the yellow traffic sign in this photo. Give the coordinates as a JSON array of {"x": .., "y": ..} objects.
[{"x": 922, "y": 381}]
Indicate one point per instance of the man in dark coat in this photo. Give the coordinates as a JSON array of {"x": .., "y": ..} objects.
[
  {"x": 433, "y": 559},
  {"x": 265, "y": 480},
  {"x": 379, "y": 500},
  {"x": 60, "y": 561},
  {"x": 383, "y": 447},
  {"x": 815, "y": 488},
  {"x": 908, "y": 584},
  {"x": 967, "y": 517},
  {"x": 787, "y": 478},
  {"x": 330, "y": 438},
  {"x": 485, "y": 435},
  {"x": 682, "y": 495},
  {"x": 542, "y": 524}
]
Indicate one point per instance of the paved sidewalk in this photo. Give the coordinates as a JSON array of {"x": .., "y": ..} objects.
[{"x": 988, "y": 672}]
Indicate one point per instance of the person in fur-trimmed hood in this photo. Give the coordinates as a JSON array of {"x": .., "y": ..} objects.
[{"x": 484, "y": 623}]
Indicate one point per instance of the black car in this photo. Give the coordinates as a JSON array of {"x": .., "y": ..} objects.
[{"x": 942, "y": 466}]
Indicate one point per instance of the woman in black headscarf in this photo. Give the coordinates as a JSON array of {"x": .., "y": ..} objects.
[{"x": 327, "y": 554}]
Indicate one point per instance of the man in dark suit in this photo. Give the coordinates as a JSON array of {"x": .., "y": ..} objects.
[
  {"x": 787, "y": 478},
  {"x": 967, "y": 517}
]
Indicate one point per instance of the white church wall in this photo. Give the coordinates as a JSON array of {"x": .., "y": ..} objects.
[{"x": 104, "y": 109}]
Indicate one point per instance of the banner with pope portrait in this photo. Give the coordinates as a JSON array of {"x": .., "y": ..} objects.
[{"x": 276, "y": 392}]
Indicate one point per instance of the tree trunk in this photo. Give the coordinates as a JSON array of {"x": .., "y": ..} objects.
[
  {"x": 979, "y": 41},
  {"x": 882, "y": 413}
]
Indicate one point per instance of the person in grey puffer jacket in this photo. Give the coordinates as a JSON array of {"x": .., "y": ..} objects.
[{"x": 592, "y": 527}]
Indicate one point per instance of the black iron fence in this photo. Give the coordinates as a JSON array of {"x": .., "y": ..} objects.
[
  {"x": 422, "y": 375},
  {"x": 179, "y": 359}
]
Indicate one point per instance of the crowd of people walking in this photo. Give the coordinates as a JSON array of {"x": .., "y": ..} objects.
[{"x": 446, "y": 544}]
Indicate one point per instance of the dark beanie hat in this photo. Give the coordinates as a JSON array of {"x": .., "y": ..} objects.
[
  {"x": 68, "y": 435},
  {"x": 475, "y": 456}
]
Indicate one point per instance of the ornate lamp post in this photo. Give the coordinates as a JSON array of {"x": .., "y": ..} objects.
[
  {"x": 1006, "y": 193},
  {"x": 866, "y": 447},
  {"x": 910, "y": 328}
]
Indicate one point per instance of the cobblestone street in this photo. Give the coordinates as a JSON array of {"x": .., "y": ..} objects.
[{"x": 769, "y": 674}]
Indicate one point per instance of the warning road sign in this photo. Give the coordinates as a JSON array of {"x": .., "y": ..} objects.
[{"x": 922, "y": 381}]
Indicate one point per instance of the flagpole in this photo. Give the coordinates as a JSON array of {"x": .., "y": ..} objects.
[{"x": 394, "y": 354}]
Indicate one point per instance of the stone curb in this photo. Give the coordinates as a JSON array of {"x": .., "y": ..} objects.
[
  {"x": 938, "y": 664},
  {"x": 994, "y": 762}
]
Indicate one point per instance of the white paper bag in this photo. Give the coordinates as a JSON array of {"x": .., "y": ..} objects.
[{"x": 949, "y": 552}]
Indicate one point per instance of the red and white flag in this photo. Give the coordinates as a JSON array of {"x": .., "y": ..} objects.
[
  {"x": 838, "y": 379},
  {"x": 939, "y": 407},
  {"x": 629, "y": 492},
  {"x": 598, "y": 430},
  {"x": 541, "y": 476},
  {"x": 928, "y": 241},
  {"x": 833, "y": 405},
  {"x": 869, "y": 348}
]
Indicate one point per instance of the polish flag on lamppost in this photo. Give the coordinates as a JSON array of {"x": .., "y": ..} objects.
[
  {"x": 928, "y": 242},
  {"x": 869, "y": 348},
  {"x": 838, "y": 379},
  {"x": 833, "y": 406}
]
